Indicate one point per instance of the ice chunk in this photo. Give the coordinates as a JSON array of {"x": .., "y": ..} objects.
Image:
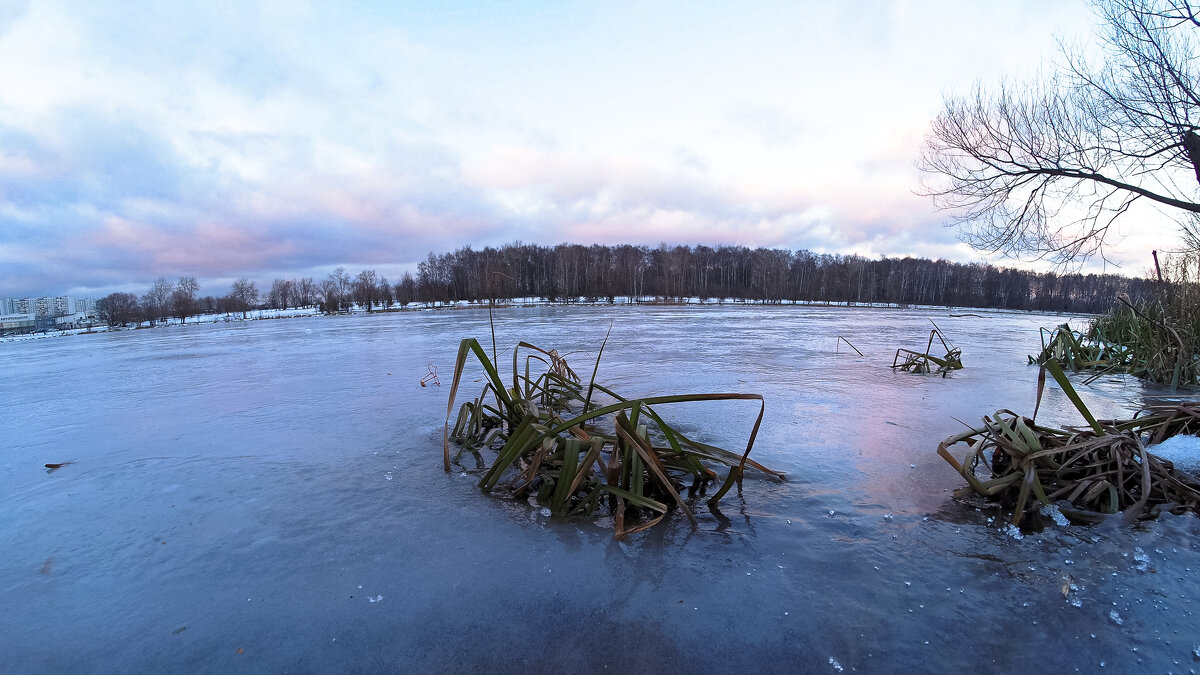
[
  {"x": 1115, "y": 618},
  {"x": 378, "y": 598},
  {"x": 836, "y": 666},
  {"x": 1143, "y": 560}
]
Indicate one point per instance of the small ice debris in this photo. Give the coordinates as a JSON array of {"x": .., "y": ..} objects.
[
  {"x": 747, "y": 574},
  {"x": 360, "y": 588},
  {"x": 1068, "y": 561},
  {"x": 378, "y": 598},
  {"x": 463, "y": 474},
  {"x": 1012, "y": 531},
  {"x": 1143, "y": 560},
  {"x": 908, "y": 583},
  {"x": 913, "y": 466},
  {"x": 1115, "y": 618},
  {"x": 387, "y": 476},
  {"x": 789, "y": 522},
  {"x": 1054, "y": 514},
  {"x": 836, "y": 666},
  {"x": 785, "y": 613},
  {"x": 1196, "y": 651},
  {"x": 546, "y": 511},
  {"x": 888, "y": 517},
  {"x": 831, "y": 512}
]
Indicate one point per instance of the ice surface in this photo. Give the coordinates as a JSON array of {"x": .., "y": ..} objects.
[{"x": 275, "y": 438}]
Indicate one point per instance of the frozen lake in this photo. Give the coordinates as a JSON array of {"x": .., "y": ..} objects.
[{"x": 268, "y": 496}]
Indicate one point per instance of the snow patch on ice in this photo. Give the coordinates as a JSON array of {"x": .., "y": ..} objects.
[{"x": 1183, "y": 451}]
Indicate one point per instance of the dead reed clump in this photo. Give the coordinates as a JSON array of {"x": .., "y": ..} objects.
[
  {"x": 925, "y": 362},
  {"x": 1103, "y": 468},
  {"x": 574, "y": 456}
]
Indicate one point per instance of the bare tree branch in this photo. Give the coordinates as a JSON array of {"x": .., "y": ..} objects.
[{"x": 1043, "y": 169}]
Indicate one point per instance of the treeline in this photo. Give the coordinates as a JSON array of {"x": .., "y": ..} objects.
[
  {"x": 570, "y": 272},
  {"x": 180, "y": 300}
]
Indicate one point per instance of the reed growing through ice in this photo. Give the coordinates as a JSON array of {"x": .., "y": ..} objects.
[
  {"x": 1102, "y": 468},
  {"x": 576, "y": 456},
  {"x": 1156, "y": 339}
]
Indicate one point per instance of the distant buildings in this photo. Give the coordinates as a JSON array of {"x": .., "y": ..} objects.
[{"x": 22, "y": 315}]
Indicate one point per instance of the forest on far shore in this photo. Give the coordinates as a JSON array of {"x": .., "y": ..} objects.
[
  {"x": 567, "y": 272},
  {"x": 572, "y": 273}
]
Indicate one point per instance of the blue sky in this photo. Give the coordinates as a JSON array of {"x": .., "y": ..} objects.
[{"x": 282, "y": 139}]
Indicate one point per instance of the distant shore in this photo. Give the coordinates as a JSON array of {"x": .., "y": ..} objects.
[{"x": 303, "y": 312}]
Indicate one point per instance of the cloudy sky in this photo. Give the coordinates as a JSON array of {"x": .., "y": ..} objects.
[{"x": 222, "y": 139}]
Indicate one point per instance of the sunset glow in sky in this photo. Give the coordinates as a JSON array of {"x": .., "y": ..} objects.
[{"x": 282, "y": 139}]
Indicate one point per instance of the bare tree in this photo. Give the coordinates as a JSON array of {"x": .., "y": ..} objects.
[
  {"x": 183, "y": 298},
  {"x": 385, "y": 293},
  {"x": 118, "y": 309},
  {"x": 406, "y": 290},
  {"x": 1043, "y": 170},
  {"x": 156, "y": 303},
  {"x": 281, "y": 293},
  {"x": 306, "y": 292},
  {"x": 366, "y": 288},
  {"x": 243, "y": 296},
  {"x": 335, "y": 290}
]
